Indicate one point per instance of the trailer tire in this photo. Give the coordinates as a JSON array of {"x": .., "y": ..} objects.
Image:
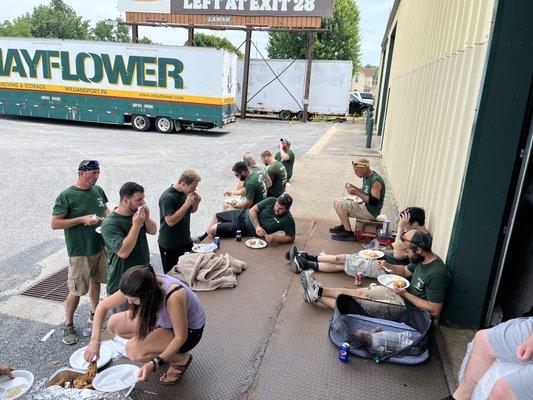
[
  {"x": 285, "y": 114},
  {"x": 300, "y": 116},
  {"x": 164, "y": 125},
  {"x": 140, "y": 122}
]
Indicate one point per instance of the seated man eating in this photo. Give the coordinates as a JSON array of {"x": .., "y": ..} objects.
[
  {"x": 427, "y": 272},
  {"x": 412, "y": 219},
  {"x": 265, "y": 218}
]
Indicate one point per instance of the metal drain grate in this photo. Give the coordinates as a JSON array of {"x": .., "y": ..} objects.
[{"x": 52, "y": 288}]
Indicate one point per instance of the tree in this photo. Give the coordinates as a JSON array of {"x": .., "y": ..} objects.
[
  {"x": 203, "y": 40},
  {"x": 340, "y": 42},
  {"x": 20, "y": 27},
  {"x": 114, "y": 32},
  {"x": 58, "y": 20},
  {"x": 146, "y": 40}
]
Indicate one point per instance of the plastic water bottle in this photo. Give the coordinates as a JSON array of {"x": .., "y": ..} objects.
[
  {"x": 344, "y": 349},
  {"x": 86, "y": 332}
]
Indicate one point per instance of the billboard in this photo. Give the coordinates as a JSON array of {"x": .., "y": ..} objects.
[{"x": 252, "y": 8}]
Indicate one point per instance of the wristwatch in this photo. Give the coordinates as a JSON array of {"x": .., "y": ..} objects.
[{"x": 159, "y": 361}]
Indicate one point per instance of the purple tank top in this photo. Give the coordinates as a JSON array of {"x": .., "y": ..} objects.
[{"x": 195, "y": 310}]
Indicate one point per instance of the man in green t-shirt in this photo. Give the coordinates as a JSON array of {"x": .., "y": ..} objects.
[
  {"x": 176, "y": 205},
  {"x": 428, "y": 275},
  {"x": 277, "y": 173},
  {"x": 371, "y": 195},
  {"x": 77, "y": 210},
  {"x": 265, "y": 218},
  {"x": 255, "y": 187},
  {"x": 286, "y": 156},
  {"x": 124, "y": 232}
]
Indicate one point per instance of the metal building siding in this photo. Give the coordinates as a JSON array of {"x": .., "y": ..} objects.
[{"x": 435, "y": 81}]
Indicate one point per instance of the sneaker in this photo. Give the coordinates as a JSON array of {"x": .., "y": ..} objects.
[
  {"x": 69, "y": 335},
  {"x": 345, "y": 236},
  {"x": 338, "y": 228},
  {"x": 291, "y": 253},
  {"x": 298, "y": 263},
  {"x": 310, "y": 286}
]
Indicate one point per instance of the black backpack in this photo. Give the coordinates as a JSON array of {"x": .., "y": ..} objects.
[{"x": 350, "y": 316}]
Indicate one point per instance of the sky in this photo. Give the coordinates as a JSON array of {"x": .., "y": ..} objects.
[{"x": 374, "y": 17}]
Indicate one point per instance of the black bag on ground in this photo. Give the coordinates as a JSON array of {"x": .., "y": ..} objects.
[{"x": 401, "y": 337}]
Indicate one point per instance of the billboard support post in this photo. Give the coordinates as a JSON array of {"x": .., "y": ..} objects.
[
  {"x": 310, "y": 40},
  {"x": 245, "y": 72}
]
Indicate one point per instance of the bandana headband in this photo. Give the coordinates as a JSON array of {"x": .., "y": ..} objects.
[{"x": 88, "y": 165}]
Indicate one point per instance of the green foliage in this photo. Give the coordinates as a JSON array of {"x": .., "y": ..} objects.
[
  {"x": 203, "y": 40},
  {"x": 146, "y": 40},
  {"x": 105, "y": 32},
  {"x": 340, "y": 42},
  {"x": 20, "y": 27},
  {"x": 58, "y": 20}
]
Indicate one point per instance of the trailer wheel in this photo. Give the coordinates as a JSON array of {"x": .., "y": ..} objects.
[
  {"x": 140, "y": 123},
  {"x": 285, "y": 114},
  {"x": 164, "y": 125},
  {"x": 301, "y": 116}
]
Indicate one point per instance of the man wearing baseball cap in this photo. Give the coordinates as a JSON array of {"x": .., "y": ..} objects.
[
  {"x": 78, "y": 210},
  {"x": 372, "y": 195},
  {"x": 428, "y": 275}
]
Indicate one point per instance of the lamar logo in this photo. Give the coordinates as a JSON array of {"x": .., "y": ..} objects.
[{"x": 219, "y": 19}]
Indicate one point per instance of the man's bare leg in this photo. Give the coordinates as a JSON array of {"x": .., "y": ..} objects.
[
  {"x": 343, "y": 215},
  {"x": 71, "y": 304},
  {"x": 329, "y": 295},
  {"x": 331, "y": 263},
  {"x": 94, "y": 295},
  {"x": 481, "y": 359}
]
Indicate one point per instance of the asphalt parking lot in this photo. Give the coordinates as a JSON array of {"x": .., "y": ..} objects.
[{"x": 40, "y": 158}]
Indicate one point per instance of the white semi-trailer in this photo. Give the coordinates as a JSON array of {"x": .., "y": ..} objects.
[
  {"x": 279, "y": 87},
  {"x": 168, "y": 87}
]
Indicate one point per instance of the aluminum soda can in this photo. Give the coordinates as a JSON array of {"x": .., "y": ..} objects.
[
  {"x": 216, "y": 241},
  {"x": 359, "y": 278},
  {"x": 238, "y": 236},
  {"x": 385, "y": 227},
  {"x": 344, "y": 349}
]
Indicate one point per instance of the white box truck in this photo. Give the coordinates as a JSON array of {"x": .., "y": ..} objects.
[
  {"x": 279, "y": 86},
  {"x": 168, "y": 87}
]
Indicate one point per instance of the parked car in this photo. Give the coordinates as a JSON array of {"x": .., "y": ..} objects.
[{"x": 360, "y": 103}]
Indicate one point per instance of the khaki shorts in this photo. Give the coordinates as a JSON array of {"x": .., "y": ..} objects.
[
  {"x": 355, "y": 263},
  {"x": 356, "y": 210},
  {"x": 383, "y": 295},
  {"x": 83, "y": 270}
]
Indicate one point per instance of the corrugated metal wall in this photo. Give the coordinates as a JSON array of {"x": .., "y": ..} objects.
[{"x": 435, "y": 82}]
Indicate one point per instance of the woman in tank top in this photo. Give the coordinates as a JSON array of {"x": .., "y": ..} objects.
[{"x": 165, "y": 320}]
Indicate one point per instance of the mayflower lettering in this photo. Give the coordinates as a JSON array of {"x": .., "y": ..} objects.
[{"x": 92, "y": 67}]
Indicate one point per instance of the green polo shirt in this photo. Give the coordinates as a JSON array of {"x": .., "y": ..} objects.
[
  {"x": 256, "y": 189},
  {"x": 173, "y": 237},
  {"x": 81, "y": 240},
  {"x": 115, "y": 228},
  {"x": 429, "y": 282},
  {"x": 278, "y": 175},
  {"x": 269, "y": 221},
  {"x": 368, "y": 182},
  {"x": 289, "y": 164}
]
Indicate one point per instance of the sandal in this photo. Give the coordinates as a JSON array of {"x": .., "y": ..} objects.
[{"x": 174, "y": 373}]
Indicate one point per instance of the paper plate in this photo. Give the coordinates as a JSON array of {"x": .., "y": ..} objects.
[
  {"x": 256, "y": 243},
  {"x": 98, "y": 230},
  {"x": 204, "y": 247},
  {"x": 354, "y": 198},
  {"x": 14, "y": 388},
  {"x": 78, "y": 362},
  {"x": 116, "y": 378},
  {"x": 232, "y": 199},
  {"x": 387, "y": 280},
  {"x": 371, "y": 254}
]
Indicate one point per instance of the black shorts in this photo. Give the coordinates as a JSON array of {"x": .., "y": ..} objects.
[
  {"x": 193, "y": 338},
  {"x": 229, "y": 222}
]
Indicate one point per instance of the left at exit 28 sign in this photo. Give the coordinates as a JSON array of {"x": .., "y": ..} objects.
[{"x": 280, "y": 8}]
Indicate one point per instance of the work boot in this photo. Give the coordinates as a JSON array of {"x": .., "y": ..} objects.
[
  {"x": 345, "y": 236},
  {"x": 338, "y": 228},
  {"x": 69, "y": 335}
]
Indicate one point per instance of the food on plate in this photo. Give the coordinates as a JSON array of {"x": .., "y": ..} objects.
[
  {"x": 371, "y": 254},
  {"x": 13, "y": 392},
  {"x": 399, "y": 283},
  {"x": 91, "y": 370}
]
